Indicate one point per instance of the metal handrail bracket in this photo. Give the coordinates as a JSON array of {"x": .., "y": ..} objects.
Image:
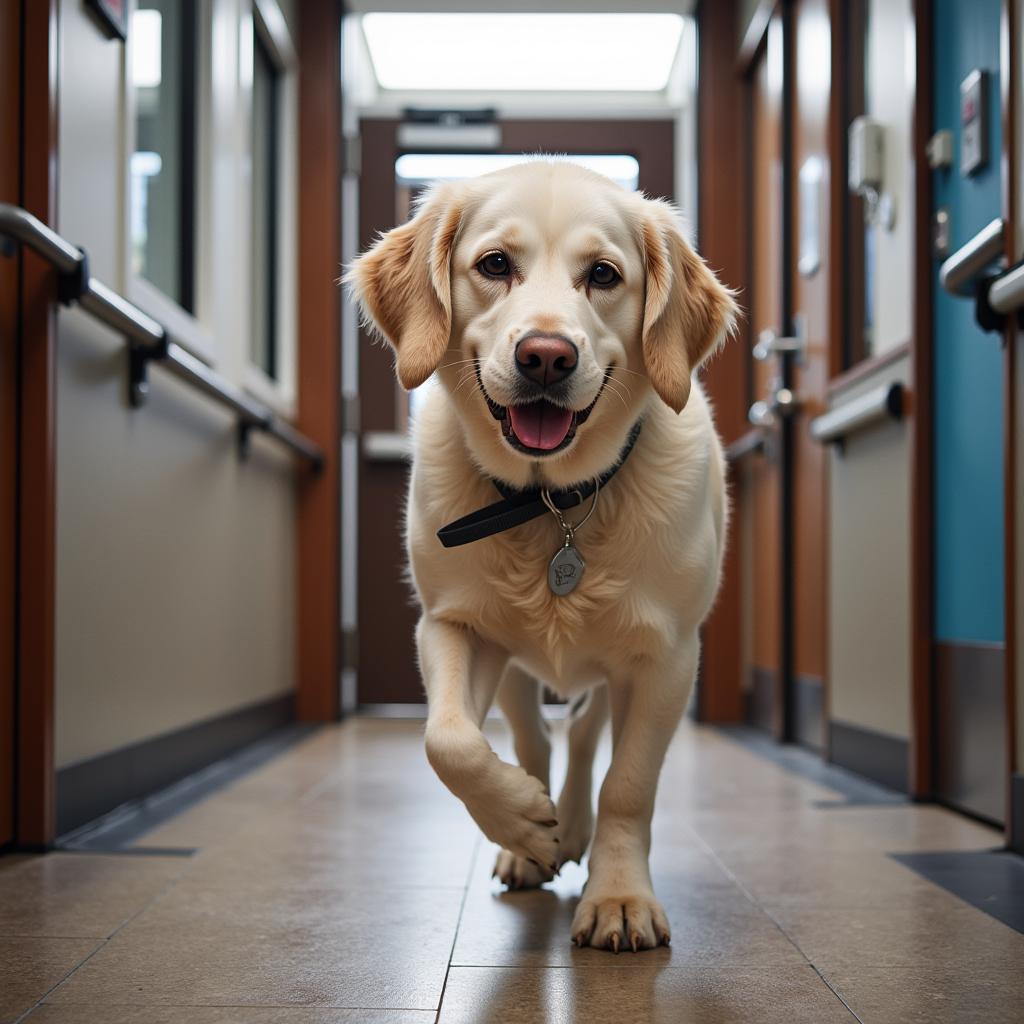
[
  {"x": 961, "y": 270},
  {"x": 148, "y": 341},
  {"x": 875, "y": 406}
]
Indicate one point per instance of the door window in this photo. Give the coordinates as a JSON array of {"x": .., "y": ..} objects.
[
  {"x": 265, "y": 142},
  {"x": 878, "y": 101}
]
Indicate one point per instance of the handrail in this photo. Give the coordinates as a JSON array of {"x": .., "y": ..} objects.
[
  {"x": 746, "y": 444},
  {"x": 867, "y": 409},
  {"x": 959, "y": 272},
  {"x": 148, "y": 340},
  {"x": 1006, "y": 293}
]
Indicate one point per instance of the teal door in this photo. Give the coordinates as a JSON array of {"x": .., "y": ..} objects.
[{"x": 968, "y": 428}]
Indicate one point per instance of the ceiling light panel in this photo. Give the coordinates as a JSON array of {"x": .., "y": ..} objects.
[{"x": 536, "y": 52}]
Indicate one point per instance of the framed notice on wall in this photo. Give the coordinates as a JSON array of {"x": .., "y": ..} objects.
[{"x": 113, "y": 16}]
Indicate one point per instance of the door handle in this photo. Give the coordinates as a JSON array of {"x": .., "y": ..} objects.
[
  {"x": 782, "y": 403},
  {"x": 960, "y": 271},
  {"x": 769, "y": 343}
]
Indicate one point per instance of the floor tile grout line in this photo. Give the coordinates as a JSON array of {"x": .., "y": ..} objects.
[
  {"x": 103, "y": 944},
  {"x": 837, "y": 994},
  {"x": 764, "y": 910},
  {"x": 458, "y": 924},
  {"x": 235, "y": 1006}
]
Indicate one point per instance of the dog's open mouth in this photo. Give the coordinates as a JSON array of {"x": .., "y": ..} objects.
[{"x": 539, "y": 427}]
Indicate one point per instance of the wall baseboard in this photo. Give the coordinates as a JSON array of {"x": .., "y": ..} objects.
[
  {"x": 760, "y": 700},
  {"x": 94, "y": 787},
  {"x": 1017, "y": 812},
  {"x": 808, "y": 693},
  {"x": 969, "y": 705},
  {"x": 877, "y": 756}
]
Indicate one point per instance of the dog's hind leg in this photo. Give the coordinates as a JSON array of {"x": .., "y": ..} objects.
[
  {"x": 576, "y": 803},
  {"x": 519, "y": 697}
]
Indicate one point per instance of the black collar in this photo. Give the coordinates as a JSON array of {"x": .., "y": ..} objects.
[{"x": 517, "y": 507}]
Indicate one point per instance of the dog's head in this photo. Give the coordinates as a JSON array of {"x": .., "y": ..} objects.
[{"x": 552, "y": 300}]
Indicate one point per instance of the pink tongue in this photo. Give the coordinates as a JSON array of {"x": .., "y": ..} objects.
[{"x": 540, "y": 424}]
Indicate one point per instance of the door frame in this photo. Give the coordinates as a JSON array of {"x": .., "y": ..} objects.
[
  {"x": 319, "y": 300},
  {"x": 28, "y": 486},
  {"x": 10, "y": 119},
  {"x": 922, "y": 775},
  {"x": 1008, "y": 53},
  {"x": 722, "y": 179}
]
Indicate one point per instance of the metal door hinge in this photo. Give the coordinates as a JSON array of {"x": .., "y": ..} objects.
[
  {"x": 349, "y": 649},
  {"x": 350, "y": 414},
  {"x": 351, "y": 155}
]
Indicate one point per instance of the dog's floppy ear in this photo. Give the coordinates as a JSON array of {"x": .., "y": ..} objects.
[
  {"x": 403, "y": 285},
  {"x": 687, "y": 312}
]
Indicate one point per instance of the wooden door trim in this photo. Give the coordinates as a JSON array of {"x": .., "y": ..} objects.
[
  {"x": 723, "y": 177},
  {"x": 1008, "y": 52},
  {"x": 10, "y": 118},
  {"x": 786, "y": 696},
  {"x": 922, "y": 775},
  {"x": 34, "y": 812},
  {"x": 318, "y": 519}
]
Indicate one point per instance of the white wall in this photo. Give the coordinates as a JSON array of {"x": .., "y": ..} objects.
[
  {"x": 175, "y": 561},
  {"x": 869, "y": 572}
]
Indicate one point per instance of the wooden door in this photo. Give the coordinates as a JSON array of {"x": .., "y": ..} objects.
[
  {"x": 781, "y": 485},
  {"x": 814, "y": 203},
  {"x": 761, "y": 494},
  {"x": 386, "y": 614}
]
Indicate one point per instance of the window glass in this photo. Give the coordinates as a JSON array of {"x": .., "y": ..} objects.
[
  {"x": 265, "y": 131},
  {"x": 163, "y": 40}
]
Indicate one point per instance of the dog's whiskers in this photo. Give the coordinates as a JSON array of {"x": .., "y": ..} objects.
[{"x": 465, "y": 379}]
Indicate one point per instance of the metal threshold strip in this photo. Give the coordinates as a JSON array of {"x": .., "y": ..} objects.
[{"x": 148, "y": 341}]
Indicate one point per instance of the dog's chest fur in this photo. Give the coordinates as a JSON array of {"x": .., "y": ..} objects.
[{"x": 651, "y": 552}]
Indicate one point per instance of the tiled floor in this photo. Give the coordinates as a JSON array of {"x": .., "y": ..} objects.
[{"x": 341, "y": 883}]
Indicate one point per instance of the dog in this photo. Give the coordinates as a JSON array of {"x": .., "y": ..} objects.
[{"x": 563, "y": 319}]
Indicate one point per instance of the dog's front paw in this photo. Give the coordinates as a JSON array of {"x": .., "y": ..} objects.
[
  {"x": 513, "y": 809},
  {"x": 516, "y": 872},
  {"x": 606, "y": 920}
]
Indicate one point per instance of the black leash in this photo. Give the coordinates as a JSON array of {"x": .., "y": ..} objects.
[{"x": 518, "y": 507}]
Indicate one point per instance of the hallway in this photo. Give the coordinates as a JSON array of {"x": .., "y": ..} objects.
[{"x": 339, "y": 882}]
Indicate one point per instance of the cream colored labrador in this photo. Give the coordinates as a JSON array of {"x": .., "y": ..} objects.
[{"x": 563, "y": 319}]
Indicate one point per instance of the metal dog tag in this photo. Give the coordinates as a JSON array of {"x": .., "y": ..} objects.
[{"x": 565, "y": 570}]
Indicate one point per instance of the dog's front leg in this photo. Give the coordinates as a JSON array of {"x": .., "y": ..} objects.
[
  {"x": 618, "y": 907},
  {"x": 461, "y": 674}
]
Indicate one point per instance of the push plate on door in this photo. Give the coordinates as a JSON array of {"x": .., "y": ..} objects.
[{"x": 973, "y": 122}]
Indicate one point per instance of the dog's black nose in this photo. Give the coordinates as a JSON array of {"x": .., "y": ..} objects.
[{"x": 545, "y": 359}]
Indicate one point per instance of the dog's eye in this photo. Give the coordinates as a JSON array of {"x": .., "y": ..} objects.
[
  {"x": 495, "y": 264},
  {"x": 604, "y": 275}
]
